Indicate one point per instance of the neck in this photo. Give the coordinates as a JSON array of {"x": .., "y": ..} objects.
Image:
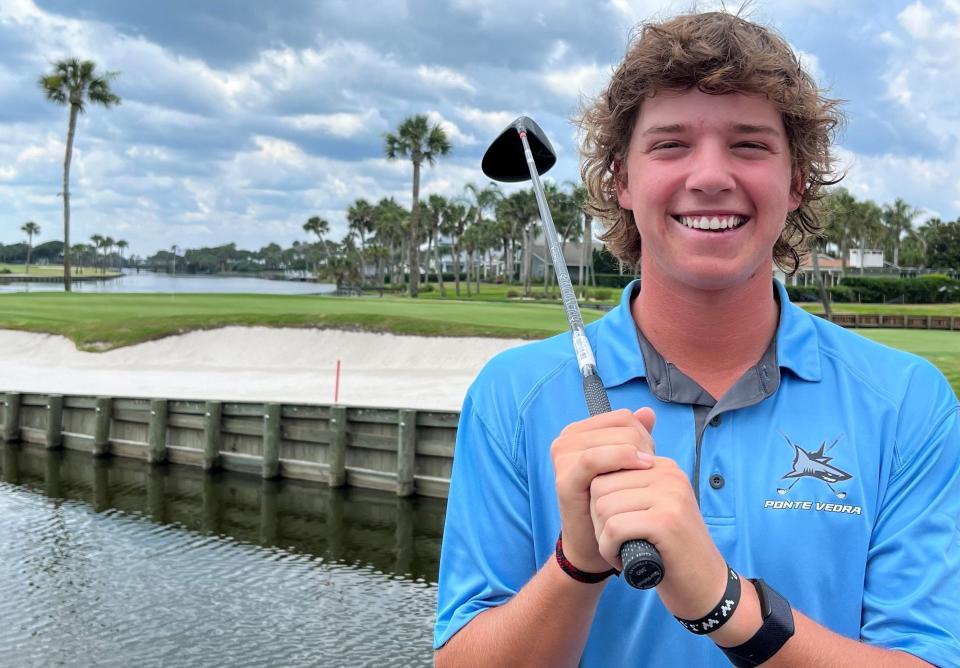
[{"x": 713, "y": 336}]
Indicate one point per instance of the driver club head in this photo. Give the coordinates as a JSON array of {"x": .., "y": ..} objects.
[{"x": 505, "y": 160}]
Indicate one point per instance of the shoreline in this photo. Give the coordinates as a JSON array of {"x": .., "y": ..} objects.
[{"x": 287, "y": 365}]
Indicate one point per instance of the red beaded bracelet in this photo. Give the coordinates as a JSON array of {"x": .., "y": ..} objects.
[{"x": 576, "y": 573}]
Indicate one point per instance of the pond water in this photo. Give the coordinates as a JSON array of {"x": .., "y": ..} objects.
[
  {"x": 147, "y": 281},
  {"x": 116, "y": 563}
]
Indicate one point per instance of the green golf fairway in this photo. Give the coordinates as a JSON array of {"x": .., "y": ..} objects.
[
  {"x": 942, "y": 348},
  {"x": 104, "y": 321}
]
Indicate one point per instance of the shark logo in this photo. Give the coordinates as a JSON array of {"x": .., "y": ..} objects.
[{"x": 814, "y": 464}]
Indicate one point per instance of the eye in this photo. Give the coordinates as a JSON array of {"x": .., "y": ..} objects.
[
  {"x": 666, "y": 145},
  {"x": 751, "y": 145}
]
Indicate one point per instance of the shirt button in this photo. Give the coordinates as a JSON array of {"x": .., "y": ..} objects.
[
  {"x": 715, "y": 421},
  {"x": 716, "y": 481}
]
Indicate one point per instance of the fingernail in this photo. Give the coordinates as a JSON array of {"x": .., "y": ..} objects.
[{"x": 645, "y": 457}]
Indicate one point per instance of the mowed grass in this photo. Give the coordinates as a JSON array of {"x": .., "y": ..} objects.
[
  {"x": 887, "y": 309},
  {"x": 940, "y": 347},
  {"x": 104, "y": 321},
  {"x": 43, "y": 269}
]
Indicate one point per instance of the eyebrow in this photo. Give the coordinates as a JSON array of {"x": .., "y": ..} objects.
[{"x": 740, "y": 128}]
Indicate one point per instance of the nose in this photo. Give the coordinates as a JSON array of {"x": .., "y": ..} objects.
[{"x": 711, "y": 172}]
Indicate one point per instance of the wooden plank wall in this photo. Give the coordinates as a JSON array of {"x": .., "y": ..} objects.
[{"x": 397, "y": 450}]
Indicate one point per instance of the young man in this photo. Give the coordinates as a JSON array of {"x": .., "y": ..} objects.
[{"x": 784, "y": 449}]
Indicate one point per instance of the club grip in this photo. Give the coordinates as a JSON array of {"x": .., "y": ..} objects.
[
  {"x": 595, "y": 395},
  {"x": 642, "y": 565}
]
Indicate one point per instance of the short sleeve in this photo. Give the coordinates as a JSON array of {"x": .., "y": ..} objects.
[
  {"x": 487, "y": 551},
  {"x": 911, "y": 596}
]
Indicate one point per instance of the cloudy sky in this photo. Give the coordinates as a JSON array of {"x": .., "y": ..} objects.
[{"x": 242, "y": 118}]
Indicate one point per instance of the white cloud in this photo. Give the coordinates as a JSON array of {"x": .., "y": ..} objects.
[
  {"x": 454, "y": 134},
  {"x": 491, "y": 122},
  {"x": 918, "y": 20},
  {"x": 445, "y": 78},
  {"x": 579, "y": 80},
  {"x": 344, "y": 125}
]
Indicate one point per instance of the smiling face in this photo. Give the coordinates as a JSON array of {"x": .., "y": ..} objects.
[{"x": 708, "y": 178}]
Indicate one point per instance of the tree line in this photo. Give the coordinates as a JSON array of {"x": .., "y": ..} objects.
[
  {"x": 482, "y": 233},
  {"x": 862, "y": 224},
  {"x": 479, "y": 221}
]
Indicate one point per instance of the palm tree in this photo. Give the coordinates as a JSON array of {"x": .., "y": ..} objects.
[
  {"x": 318, "y": 226},
  {"x": 74, "y": 83},
  {"x": 30, "y": 228},
  {"x": 418, "y": 140},
  {"x": 436, "y": 213},
  {"x": 97, "y": 245},
  {"x": 122, "y": 245},
  {"x": 108, "y": 244},
  {"x": 360, "y": 220},
  {"x": 898, "y": 218}
]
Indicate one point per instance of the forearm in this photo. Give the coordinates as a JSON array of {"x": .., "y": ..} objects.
[
  {"x": 546, "y": 624},
  {"x": 815, "y": 645}
]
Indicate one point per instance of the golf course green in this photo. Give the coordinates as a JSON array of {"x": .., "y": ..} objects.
[{"x": 98, "y": 321}]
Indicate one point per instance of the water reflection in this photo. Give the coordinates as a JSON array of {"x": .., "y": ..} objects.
[
  {"x": 147, "y": 281},
  {"x": 400, "y": 536},
  {"x": 121, "y": 563}
]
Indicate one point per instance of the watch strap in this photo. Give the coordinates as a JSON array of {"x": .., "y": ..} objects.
[
  {"x": 721, "y": 612},
  {"x": 776, "y": 630}
]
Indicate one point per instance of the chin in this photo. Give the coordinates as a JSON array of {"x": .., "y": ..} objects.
[{"x": 716, "y": 276}]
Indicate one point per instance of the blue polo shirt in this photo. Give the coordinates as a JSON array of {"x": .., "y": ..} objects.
[{"x": 831, "y": 469}]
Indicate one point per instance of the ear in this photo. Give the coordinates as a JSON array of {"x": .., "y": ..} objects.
[{"x": 620, "y": 179}]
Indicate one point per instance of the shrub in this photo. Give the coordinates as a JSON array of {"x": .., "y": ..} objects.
[
  {"x": 601, "y": 294},
  {"x": 803, "y": 293},
  {"x": 930, "y": 289},
  {"x": 513, "y": 294},
  {"x": 842, "y": 294}
]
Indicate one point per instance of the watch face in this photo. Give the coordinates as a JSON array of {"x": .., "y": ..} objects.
[
  {"x": 776, "y": 630},
  {"x": 762, "y": 589}
]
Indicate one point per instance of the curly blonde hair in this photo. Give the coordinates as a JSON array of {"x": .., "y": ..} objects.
[{"x": 717, "y": 53}]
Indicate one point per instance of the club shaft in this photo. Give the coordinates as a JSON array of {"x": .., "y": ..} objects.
[
  {"x": 642, "y": 564},
  {"x": 581, "y": 345}
]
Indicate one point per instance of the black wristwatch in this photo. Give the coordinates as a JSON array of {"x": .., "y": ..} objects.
[{"x": 776, "y": 630}]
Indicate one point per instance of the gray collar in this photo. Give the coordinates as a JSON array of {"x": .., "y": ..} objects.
[{"x": 670, "y": 384}]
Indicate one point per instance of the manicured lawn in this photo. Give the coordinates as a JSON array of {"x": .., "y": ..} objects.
[
  {"x": 888, "y": 309},
  {"x": 103, "y": 321},
  {"x": 43, "y": 269},
  {"x": 942, "y": 348}
]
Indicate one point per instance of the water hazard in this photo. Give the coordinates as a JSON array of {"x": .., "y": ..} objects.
[
  {"x": 116, "y": 563},
  {"x": 146, "y": 281}
]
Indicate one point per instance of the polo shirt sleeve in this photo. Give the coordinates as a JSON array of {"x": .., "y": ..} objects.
[
  {"x": 487, "y": 551},
  {"x": 911, "y": 596}
]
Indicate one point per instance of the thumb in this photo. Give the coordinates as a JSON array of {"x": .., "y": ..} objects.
[{"x": 647, "y": 418}]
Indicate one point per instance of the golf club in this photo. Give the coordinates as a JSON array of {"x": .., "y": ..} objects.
[{"x": 642, "y": 565}]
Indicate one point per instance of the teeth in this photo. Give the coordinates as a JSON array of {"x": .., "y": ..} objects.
[{"x": 712, "y": 222}]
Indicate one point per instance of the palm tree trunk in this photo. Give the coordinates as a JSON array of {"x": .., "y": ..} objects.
[
  {"x": 456, "y": 267},
  {"x": 415, "y": 233},
  {"x": 29, "y": 249},
  {"x": 68, "y": 156},
  {"x": 438, "y": 265},
  {"x": 819, "y": 279},
  {"x": 527, "y": 259}
]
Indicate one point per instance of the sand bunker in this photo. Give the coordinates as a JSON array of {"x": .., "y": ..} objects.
[{"x": 256, "y": 364}]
